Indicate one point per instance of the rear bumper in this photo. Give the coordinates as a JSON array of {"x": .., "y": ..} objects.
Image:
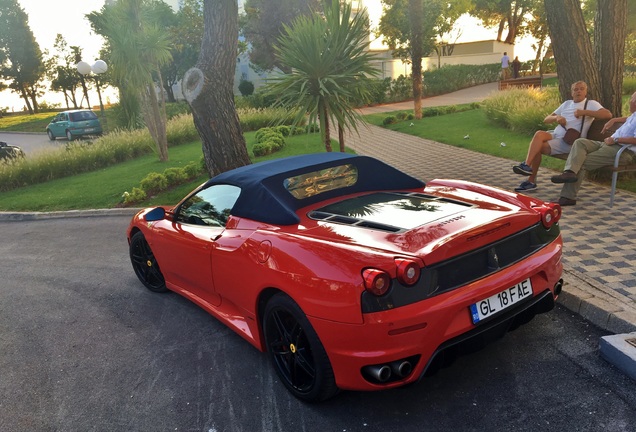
[{"x": 432, "y": 331}]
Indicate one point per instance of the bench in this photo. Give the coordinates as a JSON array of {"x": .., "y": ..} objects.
[
  {"x": 531, "y": 81},
  {"x": 595, "y": 134}
]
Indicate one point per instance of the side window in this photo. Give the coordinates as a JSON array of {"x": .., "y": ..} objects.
[{"x": 209, "y": 207}]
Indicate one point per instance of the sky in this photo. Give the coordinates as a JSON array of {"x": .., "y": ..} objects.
[{"x": 47, "y": 18}]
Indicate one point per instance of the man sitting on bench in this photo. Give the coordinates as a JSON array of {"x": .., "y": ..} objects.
[
  {"x": 569, "y": 116},
  {"x": 589, "y": 155}
]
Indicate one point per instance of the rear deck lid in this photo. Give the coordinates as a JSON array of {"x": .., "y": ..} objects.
[{"x": 390, "y": 211}]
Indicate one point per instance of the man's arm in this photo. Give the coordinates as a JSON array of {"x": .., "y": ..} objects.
[
  {"x": 556, "y": 118},
  {"x": 611, "y": 122},
  {"x": 601, "y": 114}
]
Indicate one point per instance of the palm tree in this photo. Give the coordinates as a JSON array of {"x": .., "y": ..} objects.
[
  {"x": 331, "y": 68},
  {"x": 138, "y": 48}
]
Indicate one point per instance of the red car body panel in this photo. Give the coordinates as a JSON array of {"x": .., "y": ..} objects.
[{"x": 230, "y": 271}]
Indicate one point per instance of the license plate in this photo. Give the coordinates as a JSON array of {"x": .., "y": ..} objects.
[
  {"x": 89, "y": 129},
  {"x": 500, "y": 301}
]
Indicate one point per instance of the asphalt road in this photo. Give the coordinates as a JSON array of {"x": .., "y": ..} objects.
[
  {"x": 85, "y": 347},
  {"x": 31, "y": 143}
]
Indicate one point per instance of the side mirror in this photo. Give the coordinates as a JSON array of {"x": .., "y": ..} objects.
[{"x": 155, "y": 214}]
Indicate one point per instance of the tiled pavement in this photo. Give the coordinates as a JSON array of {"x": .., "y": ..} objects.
[{"x": 599, "y": 241}]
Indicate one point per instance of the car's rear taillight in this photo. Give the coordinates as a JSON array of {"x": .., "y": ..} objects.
[
  {"x": 550, "y": 214},
  {"x": 408, "y": 271},
  {"x": 377, "y": 282}
]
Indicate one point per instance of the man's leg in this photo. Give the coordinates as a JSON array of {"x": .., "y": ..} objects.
[
  {"x": 538, "y": 146},
  {"x": 588, "y": 155}
]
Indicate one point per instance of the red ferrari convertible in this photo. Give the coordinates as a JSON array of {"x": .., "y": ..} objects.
[{"x": 349, "y": 273}]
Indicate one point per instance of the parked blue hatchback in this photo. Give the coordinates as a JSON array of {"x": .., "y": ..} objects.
[{"x": 74, "y": 124}]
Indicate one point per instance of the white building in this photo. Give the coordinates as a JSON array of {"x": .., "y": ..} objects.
[{"x": 474, "y": 53}]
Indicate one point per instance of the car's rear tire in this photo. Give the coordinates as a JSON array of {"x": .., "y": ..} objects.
[
  {"x": 145, "y": 265},
  {"x": 69, "y": 135},
  {"x": 298, "y": 356},
  {"x": 50, "y": 134}
]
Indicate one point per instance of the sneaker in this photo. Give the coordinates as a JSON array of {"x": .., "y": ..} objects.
[
  {"x": 526, "y": 186},
  {"x": 523, "y": 169},
  {"x": 565, "y": 177}
]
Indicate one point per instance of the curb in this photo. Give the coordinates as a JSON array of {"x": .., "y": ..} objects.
[
  {"x": 620, "y": 350},
  {"x": 602, "y": 308},
  {"x": 31, "y": 216}
]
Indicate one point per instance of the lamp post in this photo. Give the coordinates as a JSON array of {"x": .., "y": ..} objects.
[
  {"x": 99, "y": 67},
  {"x": 84, "y": 69}
]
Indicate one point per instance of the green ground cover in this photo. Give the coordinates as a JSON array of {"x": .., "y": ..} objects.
[
  {"x": 482, "y": 136},
  {"x": 104, "y": 188}
]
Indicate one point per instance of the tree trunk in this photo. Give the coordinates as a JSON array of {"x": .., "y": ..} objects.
[
  {"x": 572, "y": 48},
  {"x": 169, "y": 92},
  {"x": 25, "y": 96},
  {"x": 208, "y": 88},
  {"x": 500, "y": 29},
  {"x": 153, "y": 118},
  {"x": 537, "y": 58},
  {"x": 610, "y": 32},
  {"x": 324, "y": 129},
  {"x": 416, "y": 12},
  {"x": 341, "y": 138}
]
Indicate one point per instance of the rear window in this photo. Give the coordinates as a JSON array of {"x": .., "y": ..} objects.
[
  {"x": 317, "y": 182},
  {"x": 82, "y": 115}
]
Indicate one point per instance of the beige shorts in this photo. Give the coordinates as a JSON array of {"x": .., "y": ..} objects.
[{"x": 558, "y": 146}]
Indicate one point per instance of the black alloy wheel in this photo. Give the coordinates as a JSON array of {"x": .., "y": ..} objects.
[
  {"x": 296, "y": 352},
  {"x": 69, "y": 135},
  {"x": 145, "y": 265},
  {"x": 50, "y": 134}
]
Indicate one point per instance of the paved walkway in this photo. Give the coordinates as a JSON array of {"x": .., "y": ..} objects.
[{"x": 599, "y": 241}]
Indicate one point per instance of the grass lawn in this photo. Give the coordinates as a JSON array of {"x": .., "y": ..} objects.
[
  {"x": 483, "y": 137},
  {"x": 104, "y": 188}
]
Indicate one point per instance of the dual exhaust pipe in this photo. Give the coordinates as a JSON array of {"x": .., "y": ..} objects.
[{"x": 392, "y": 371}]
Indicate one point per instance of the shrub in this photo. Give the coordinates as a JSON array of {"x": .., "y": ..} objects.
[
  {"x": 262, "y": 149},
  {"x": 284, "y": 130},
  {"x": 262, "y": 132},
  {"x": 378, "y": 90},
  {"x": 175, "y": 175},
  {"x": 313, "y": 128},
  {"x": 401, "y": 115},
  {"x": 154, "y": 182},
  {"x": 401, "y": 88},
  {"x": 432, "y": 112},
  {"x": 134, "y": 196},
  {"x": 521, "y": 109},
  {"x": 260, "y": 99},
  {"x": 193, "y": 169},
  {"x": 254, "y": 119},
  {"x": 176, "y": 109},
  {"x": 268, "y": 140},
  {"x": 389, "y": 120},
  {"x": 450, "y": 78},
  {"x": 298, "y": 130},
  {"x": 246, "y": 88}
]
